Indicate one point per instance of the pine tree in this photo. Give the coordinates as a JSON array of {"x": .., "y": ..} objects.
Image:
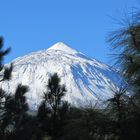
[
  {"x": 126, "y": 42},
  {"x": 15, "y": 109},
  {"x": 5, "y": 74},
  {"x": 48, "y": 111},
  {"x": 6, "y": 71},
  {"x": 54, "y": 94},
  {"x": 118, "y": 111}
]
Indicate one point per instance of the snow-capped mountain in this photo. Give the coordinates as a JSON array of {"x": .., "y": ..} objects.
[{"x": 87, "y": 80}]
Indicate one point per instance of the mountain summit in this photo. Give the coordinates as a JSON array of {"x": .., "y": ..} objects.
[
  {"x": 87, "y": 80},
  {"x": 60, "y": 46}
]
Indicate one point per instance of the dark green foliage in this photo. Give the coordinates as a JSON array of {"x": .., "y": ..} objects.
[
  {"x": 51, "y": 109},
  {"x": 54, "y": 93},
  {"x": 30, "y": 129},
  {"x": 15, "y": 122},
  {"x": 118, "y": 104},
  {"x": 15, "y": 108},
  {"x": 2, "y": 98},
  {"x": 5, "y": 74},
  {"x": 6, "y": 70},
  {"x": 45, "y": 118},
  {"x": 64, "y": 110},
  {"x": 126, "y": 42}
]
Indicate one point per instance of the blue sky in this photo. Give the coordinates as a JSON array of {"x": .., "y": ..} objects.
[{"x": 31, "y": 25}]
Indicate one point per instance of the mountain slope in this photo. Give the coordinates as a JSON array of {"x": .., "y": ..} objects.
[{"x": 87, "y": 80}]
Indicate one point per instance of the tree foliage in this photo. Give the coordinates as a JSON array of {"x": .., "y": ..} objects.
[{"x": 52, "y": 106}]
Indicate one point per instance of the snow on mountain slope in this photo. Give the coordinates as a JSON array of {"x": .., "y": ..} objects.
[{"x": 87, "y": 80}]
